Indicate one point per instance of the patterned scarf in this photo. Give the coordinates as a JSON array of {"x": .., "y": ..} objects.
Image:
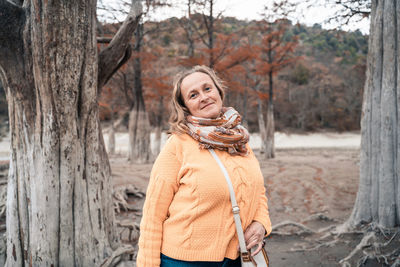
[{"x": 223, "y": 133}]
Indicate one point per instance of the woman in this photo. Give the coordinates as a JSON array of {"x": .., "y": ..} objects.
[{"x": 187, "y": 216}]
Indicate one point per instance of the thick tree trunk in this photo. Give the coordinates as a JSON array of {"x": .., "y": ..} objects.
[
  {"x": 189, "y": 30},
  {"x": 59, "y": 198},
  {"x": 139, "y": 125},
  {"x": 270, "y": 139},
  {"x": 139, "y": 136},
  {"x": 261, "y": 125},
  {"x": 111, "y": 139},
  {"x": 270, "y": 131},
  {"x": 378, "y": 198}
]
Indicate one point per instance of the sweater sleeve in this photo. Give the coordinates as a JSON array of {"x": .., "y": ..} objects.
[
  {"x": 162, "y": 186},
  {"x": 262, "y": 213}
]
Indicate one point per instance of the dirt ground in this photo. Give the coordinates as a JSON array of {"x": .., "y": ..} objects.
[{"x": 300, "y": 183}]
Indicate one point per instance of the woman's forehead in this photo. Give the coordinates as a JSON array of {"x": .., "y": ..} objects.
[{"x": 194, "y": 80}]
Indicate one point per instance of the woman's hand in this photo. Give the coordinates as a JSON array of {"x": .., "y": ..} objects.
[{"x": 254, "y": 236}]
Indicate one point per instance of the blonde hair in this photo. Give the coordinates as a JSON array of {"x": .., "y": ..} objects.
[{"x": 179, "y": 111}]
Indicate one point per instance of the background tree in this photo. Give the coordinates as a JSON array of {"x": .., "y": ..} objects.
[
  {"x": 274, "y": 54},
  {"x": 378, "y": 197},
  {"x": 139, "y": 125},
  {"x": 59, "y": 207}
]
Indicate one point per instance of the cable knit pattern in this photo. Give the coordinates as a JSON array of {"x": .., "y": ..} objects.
[{"x": 187, "y": 213}]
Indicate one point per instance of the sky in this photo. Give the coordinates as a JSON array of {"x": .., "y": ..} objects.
[{"x": 251, "y": 9}]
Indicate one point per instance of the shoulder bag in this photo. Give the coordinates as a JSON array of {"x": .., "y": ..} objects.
[{"x": 259, "y": 260}]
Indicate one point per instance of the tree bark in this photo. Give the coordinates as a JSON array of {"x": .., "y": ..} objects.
[
  {"x": 139, "y": 125},
  {"x": 159, "y": 126},
  {"x": 261, "y": 125},
  {"x": 270, "y": 139},
  {"x": 59, "y": 197},
  {"x": 270, "y": 131},
  {"x": 378, "y": 197}
]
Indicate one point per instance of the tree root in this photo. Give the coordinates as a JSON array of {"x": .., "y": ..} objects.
[
  {"x": 115, "y": 258},
  {"x": 121, "y": 195},
  {"x": 132, "y": 227},
  {"x": 372, "y": 249},
  {"x": 371, "y": 245},
  {"x": 363, "y": 244},
  {"x": 324, "y": 244},
  {"x": 318, "y": 216},
  {"x": 304, "y": 229}
]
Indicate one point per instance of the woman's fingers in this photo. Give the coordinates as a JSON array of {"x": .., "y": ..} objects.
[
  {"x": 259, "y": 247},
  {"x": 254, "y": 234},
  {"x": 252, "y": 243}
]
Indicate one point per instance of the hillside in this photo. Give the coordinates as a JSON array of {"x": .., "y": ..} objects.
[{"x": 322, "y": 89}]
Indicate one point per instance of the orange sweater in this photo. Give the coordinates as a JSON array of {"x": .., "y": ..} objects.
[{"x": 187, "y": 214}]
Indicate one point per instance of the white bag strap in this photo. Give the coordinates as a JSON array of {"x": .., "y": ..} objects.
[{"x": 235, "y": 207}]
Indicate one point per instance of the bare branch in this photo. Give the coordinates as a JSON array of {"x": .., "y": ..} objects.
[{"x": 119, "y": 51}]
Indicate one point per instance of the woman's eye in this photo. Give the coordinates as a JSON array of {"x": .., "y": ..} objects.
[
  {"x": 193, "y": 95},
  {"x": 207, "y": 88}
]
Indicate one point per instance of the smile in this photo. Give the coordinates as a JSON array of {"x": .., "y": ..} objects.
[{"x": 207, "y": 105}]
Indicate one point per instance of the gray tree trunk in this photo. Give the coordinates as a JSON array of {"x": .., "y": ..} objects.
[
  {"x": 159, "y": 126},
  {"x": 111, "y": 140},
  {"x": 270, "y": 131},
  {"x": 59, "y": 197},
  {"x": 261, "y": 125},
  {"x": 139, "y": 125},
  {"x": 378, "y": 198}
]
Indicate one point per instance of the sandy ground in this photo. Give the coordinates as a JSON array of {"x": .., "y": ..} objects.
[{"x": 300, "y": 182}]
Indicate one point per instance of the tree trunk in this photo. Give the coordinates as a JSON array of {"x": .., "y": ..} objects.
[
  {"x": 139, "y": 136},
  {"x": 245, "y": 109},
  {"x": 111, "y": 135},
  {"x": 270, "y": 131},
  {"x": 159, "y": 127},
  {"x": 270, "y": 139},
  {"x": 261, "y": 126},
  {"x": 189, "y": 31},
  {"x": 139, "y": 125},
  {"x": 59, "y": 206},
  {"x": 378, "y": 198},
  {"x": 210, "y": 29}
]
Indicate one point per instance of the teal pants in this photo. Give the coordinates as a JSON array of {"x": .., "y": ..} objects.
[{"x": 170, "y": 262}]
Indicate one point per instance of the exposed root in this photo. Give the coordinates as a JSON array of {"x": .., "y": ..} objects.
[
  {"x": 115, "y": 258},
  {"x": 319, "y": 216},
  {"x": 121, "y": 195},
  {"x": 132, "y": 227},
  {"x": 376, "y": 244},
  {"x": 396, "y": 263},
  {"x": 363, "y": 244},
  {"x": 372, "y": 249},
  {"x": 324, "y": 244},
  {"x": 304, "y": 229}
]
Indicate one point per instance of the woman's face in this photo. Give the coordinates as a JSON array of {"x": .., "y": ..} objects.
[{"x": 201, "y": 96}]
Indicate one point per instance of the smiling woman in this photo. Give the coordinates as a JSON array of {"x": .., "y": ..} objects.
[
  {"x": 193, "y": 79},
  {"x": 187, "y": 216},
  {"x": 201, "y": 96}
]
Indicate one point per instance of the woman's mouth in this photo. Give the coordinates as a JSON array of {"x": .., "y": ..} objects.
[{"x": 207, "y": 105}]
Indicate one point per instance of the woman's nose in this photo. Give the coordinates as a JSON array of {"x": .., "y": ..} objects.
[{"x": 203, "y": 96}]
